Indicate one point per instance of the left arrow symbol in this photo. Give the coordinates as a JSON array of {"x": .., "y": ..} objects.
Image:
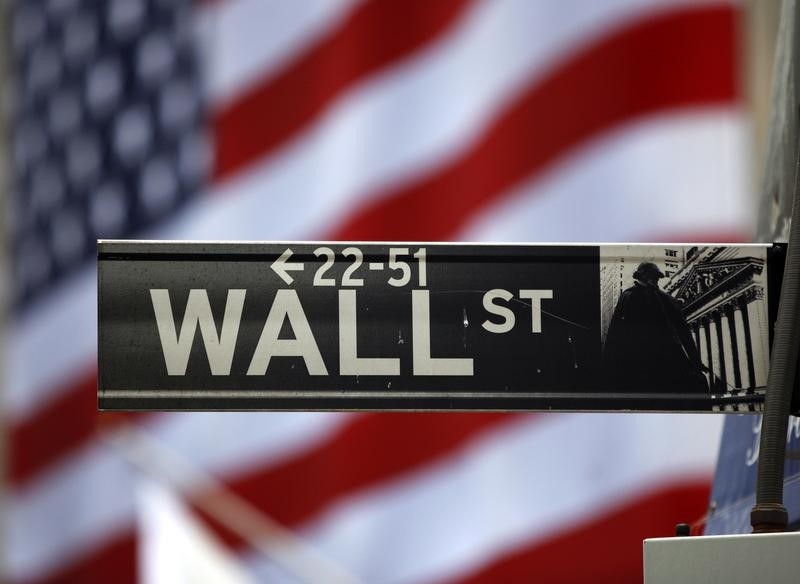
[{"x": 282, "y": 266}]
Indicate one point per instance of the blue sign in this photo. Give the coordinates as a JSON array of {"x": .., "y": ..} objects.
[{"x": 734, "y": 492}]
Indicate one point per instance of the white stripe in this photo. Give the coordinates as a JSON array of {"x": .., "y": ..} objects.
[
  {"x": 89, "y": 497},
  {"x": 245, "y": 41},
  {"x": 513, "y": 487},
  {"x": 76, "y": 507},
  {"x": 52, "y": 345},
  {"x": 232, "y": 443},
  {"x": 410, "y": 119},
  {"x": 672, "y": 174}
]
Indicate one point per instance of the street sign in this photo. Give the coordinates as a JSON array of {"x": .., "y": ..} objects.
[{"x": 428, "y": 326}]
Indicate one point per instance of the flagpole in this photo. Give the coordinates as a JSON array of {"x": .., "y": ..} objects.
[
  {"x": 211, "y": 496},
  {"x": 5, "y": 292}
]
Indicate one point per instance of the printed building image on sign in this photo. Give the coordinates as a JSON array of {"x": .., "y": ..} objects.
[
  {"x": 705, "y": 330},
  {"x": 328, "y": 326}
]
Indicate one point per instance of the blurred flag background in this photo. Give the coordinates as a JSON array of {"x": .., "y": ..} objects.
[{"x": 479, "y": 120}]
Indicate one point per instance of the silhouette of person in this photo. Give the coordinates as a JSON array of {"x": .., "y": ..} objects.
[{"x": 649, "y": 347}]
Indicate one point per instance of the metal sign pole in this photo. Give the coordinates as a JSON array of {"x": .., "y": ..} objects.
[
  {"x": 782, "y": 178},
  {"x": 769, "y": 514}
]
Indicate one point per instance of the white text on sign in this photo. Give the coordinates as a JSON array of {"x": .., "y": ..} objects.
[
  {"x": 398, "y": 265},
  {"x": 220, "y": 343}
]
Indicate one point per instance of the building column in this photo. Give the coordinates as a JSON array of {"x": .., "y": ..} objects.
[
  {"x": 725, "y": 349},
  {"x": 743, "y": 322},
  {"x": 720, "y": 352},
  {"x": 711, "y": 341},
  {"x": 758, "y": 327},
  {"x": 734, "y": 346},
  {"x": 704, "y": 346}
]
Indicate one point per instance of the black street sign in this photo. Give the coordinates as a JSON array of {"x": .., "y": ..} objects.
[{"x": 428, "y": 326}]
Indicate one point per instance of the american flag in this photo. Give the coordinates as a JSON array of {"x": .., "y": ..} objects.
[{"x": 512, "y": 120}]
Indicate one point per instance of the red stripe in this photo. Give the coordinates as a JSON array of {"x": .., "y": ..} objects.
[
  {"x": 58, "y": 428},
  {"x": 53, "y": 430},
  {"x": 371, "y": 449},
  {"x": 608, "y": 549},
  {"x": 704, "y": 236},
  {"x": 373, "y": 37},
  {"x": 679, "y": 59},
  {"x": 112, "y": 561}
]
